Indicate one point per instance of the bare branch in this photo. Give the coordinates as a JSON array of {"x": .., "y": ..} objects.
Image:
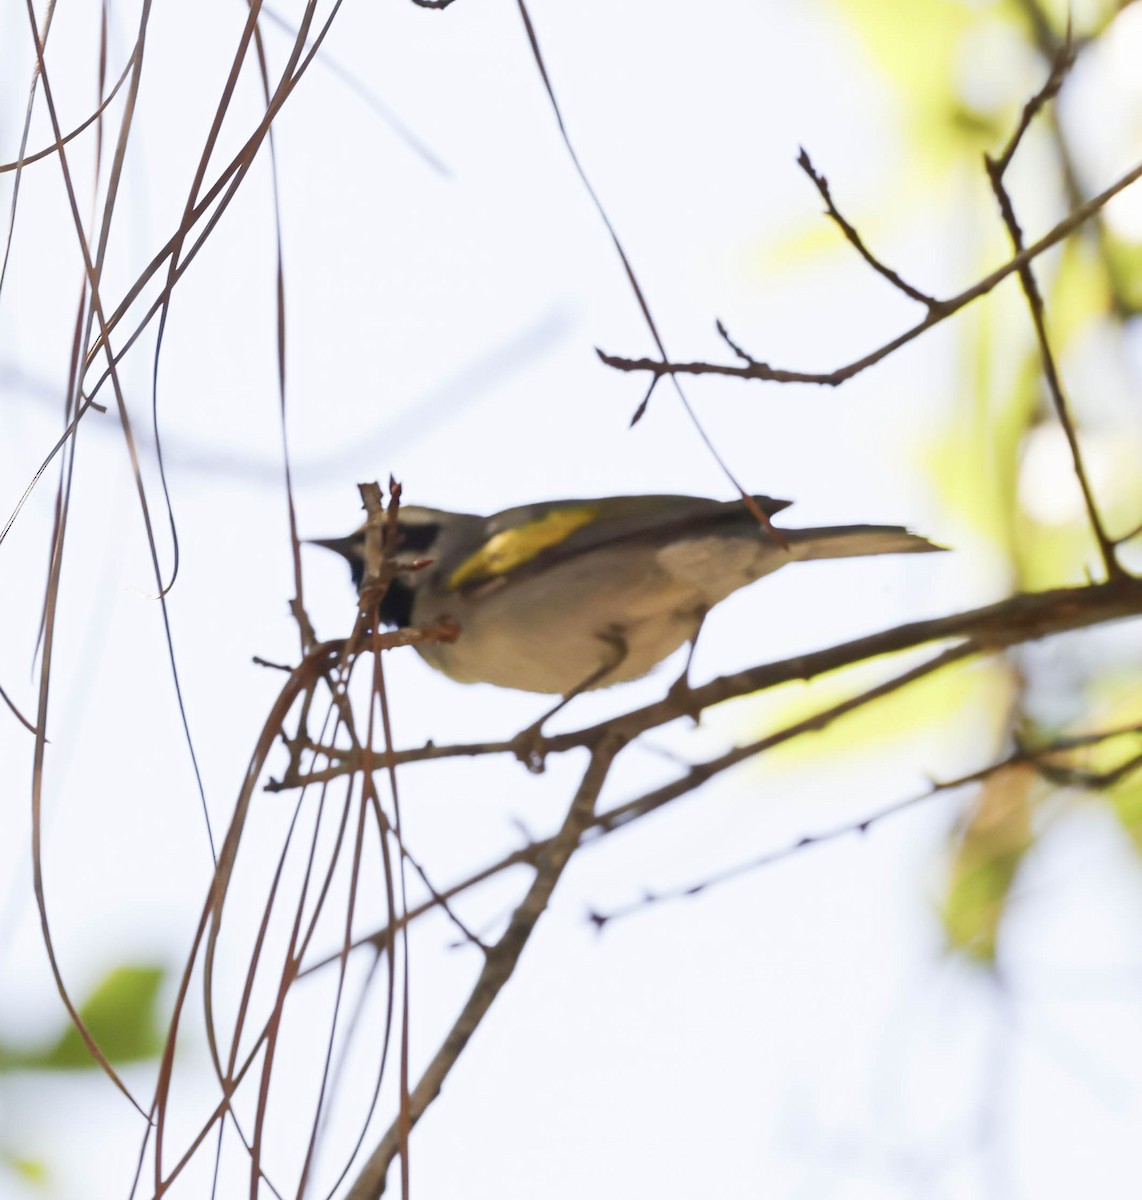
[
  {"x": 753, "y": 369},
  {"x": 28, "y": 725},
  {"x": 995, "y": 170},
  {"x": 1036, "y": 756},
  {"x": 1062, "y": 62},
  {"x": 851, "y": 235},
  {"x": 1023, "y": 618},
  {"x": 498, "y": 967}
]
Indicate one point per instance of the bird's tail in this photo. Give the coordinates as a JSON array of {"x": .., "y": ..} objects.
[{"x": 854, "y": 541}]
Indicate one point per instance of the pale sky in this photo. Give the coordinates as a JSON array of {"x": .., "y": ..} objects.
[{"x": 799, "y": 1033}]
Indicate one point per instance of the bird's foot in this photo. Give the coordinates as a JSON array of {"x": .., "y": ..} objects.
[
  {"x": 530, "y": 746},
  {"x": 680, "y": 695}
]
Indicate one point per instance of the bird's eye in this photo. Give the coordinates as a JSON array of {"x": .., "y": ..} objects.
[{"x": 419, "y": 537}]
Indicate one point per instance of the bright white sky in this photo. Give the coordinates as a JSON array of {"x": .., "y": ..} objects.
[{"x": 796, "y": 1034}]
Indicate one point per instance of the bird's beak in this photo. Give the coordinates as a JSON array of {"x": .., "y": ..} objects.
[{"x": 347, "y": 547}]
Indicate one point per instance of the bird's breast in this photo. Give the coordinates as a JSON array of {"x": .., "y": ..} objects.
[{"x": 551, "y": 631}]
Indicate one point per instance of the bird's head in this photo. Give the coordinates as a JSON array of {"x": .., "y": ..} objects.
[{"x": 419, "y": 532}]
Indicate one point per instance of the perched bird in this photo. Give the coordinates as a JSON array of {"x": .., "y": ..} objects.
[{"x": 569, "y": 595}]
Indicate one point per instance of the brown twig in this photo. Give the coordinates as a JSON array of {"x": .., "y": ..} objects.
[
  {"x": 1121, "y": 303},
  {"x": 754, "y": 369},
  {"x": 1022, "y": 618},
  {"x": 1062, "y": 60},
  {"x": 498, "y": 967},
  {"x": 1035, "y": 756},
  {"x": 854, "y": 238},
  {"x": 26, "y": 159},
  {"x": 1013, "y": 621},
  {"x": 995, "y": 169},
  {"x": 28, "y": 725}
]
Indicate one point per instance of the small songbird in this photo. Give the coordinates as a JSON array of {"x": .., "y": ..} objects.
[{"x": 569, "y": 595}]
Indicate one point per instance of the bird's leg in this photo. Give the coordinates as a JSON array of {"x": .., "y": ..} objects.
[
  {"x": 527, "y": 743},
  {"x": 679, "y": 690}
]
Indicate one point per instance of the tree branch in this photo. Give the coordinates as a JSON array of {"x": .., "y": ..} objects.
[
  {"x": 857, "y": 242},
  {"x": 1023, "y": 618},
  {"x": 996, "y": 168},
  {"x": 754, "y": 369},
  {"x": 1035, "y": 756},
  {"x": 498, "y": 967}
]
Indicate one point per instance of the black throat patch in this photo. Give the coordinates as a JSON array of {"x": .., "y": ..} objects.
[
  {"x": 396, "y": 605},
  {"x": 419, "y": 537}
]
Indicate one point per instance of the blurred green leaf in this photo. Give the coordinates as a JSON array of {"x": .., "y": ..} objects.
[
  {"x": 1079, "y": 292},
  {"x": 986, "y": 860},
  {"x": 1115, "y": 702},
  {"x": 31, "y": 1170},
  {"x": 121, "y": 1014},
  {"x": 980, "y": 688},
  {"x": 924, "y": 50},
  {"x": 972, "y": 464},
  {"x": 1126, "y": 800},
  {"x": 1124, "y": 262}
]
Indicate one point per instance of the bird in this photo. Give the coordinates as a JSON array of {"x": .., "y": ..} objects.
[{"x": 565, "y": 596}]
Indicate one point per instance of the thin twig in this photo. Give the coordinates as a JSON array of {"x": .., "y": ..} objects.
[
  {"x": 623, "y": 815},
  {"x": 498, "y": 967},
  {"x": 28, "y": 725},
  {"x": 1062, "y": 61},
  {"x": 36, "y": 156},
  {"x": 857, "y": 242},
  {"x": 1023, "y": 618},
  {"x": 1035, "y": 756},
  {"x": 754, "y": 369},
  {"x": 640, "y": 296},
  {"x": 995, "y": 169}
]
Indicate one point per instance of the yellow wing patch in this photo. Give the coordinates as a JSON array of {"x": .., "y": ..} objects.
[{"x": 511, "y": 548}]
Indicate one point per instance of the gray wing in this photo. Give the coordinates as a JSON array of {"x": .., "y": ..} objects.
[
  {"x": 612, "y": 520},
  {"x": 624, "y": 516}
]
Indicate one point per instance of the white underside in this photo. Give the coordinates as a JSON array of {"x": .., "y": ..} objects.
[{"x": 617, "y": 611}]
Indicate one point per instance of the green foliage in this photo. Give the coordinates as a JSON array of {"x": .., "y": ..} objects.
[
  {"x": 998, "y": 462},
  {"x": 1124, "y": 270},
  {"x": 1117, "y": 704},
  {"x": 30, "y": 1170},
  {"x": 919, "y": 49},
  {"x": 121, "y": 1014},
  {"x": 1126, "y": 800},
  {"x": 982, "y": 689},
  {"x": 986, "y": 859}
]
